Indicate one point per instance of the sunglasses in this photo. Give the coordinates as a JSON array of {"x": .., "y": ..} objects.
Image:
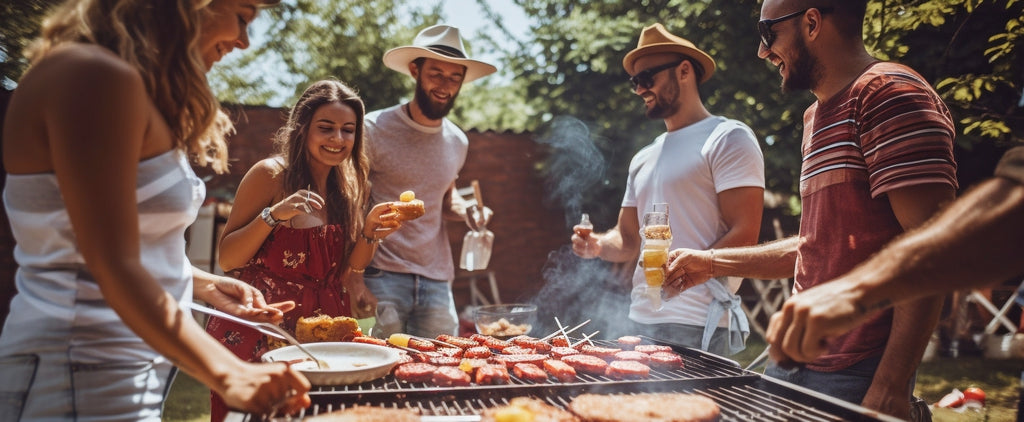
[
  {"x": 764, "y": 26},
  {"x": 645, "y": 78}
]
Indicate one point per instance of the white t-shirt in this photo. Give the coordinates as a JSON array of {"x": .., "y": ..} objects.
[{"x": 686, "y": 169}]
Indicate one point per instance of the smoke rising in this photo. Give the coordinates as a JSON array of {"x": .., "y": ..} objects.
[
  {"x": 574, "y": 165},
  {"x": 576, "y": 289}
]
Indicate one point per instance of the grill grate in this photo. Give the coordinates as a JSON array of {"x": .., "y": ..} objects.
[{"x": 741, "y": 395}]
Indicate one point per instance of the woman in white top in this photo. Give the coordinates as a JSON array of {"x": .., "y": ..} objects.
[{"x": 97, "y": 145}]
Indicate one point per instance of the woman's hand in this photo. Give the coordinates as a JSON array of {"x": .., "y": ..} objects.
[
  {"x": 303, "y": 201},
  {"x": 381, "y": 222},
  {"x": 361, "y": 300},
  {"x": 266, "y": 388},
  {"x": 242, "y": 300}
]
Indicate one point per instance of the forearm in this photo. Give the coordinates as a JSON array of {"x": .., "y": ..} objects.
[
  {"x": 912, "y": 326},
  {"x": 768, "y": 261},
  {"x": 362, "y": 253},
  {"x": 237, "y": 247},
  {"x": 157, "y": 318},
  {"x": 614, "y": 247},
  {"x": 974, "y": 242}
]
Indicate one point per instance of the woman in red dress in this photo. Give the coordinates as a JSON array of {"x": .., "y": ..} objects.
[{"x": 296, "y": 229}]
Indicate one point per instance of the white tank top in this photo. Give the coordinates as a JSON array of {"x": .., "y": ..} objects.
[{"x": 59, "y": 305}]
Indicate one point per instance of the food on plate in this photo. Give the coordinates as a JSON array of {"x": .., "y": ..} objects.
[
  {"x": 529, "y": 372},
  {"x": 560, "y": 370},
  {"x": 415, "y": 372},
  {"x": 627, "y": 369},
  {"x": 449, "y": 376},
  {"x": 526, "y": 409},
  {"x": 368, "y": 414},
  {"x": 656, "y": 407},
  {"x": 503, "y": 328},
  {"x": 651, "y": 348},
  {"x": 666, "y": 360},
  {"x": 587, "y": 364},
  {"x": 323, "y": 328},
  {"x": 492, "y": 375},
  {"x": 629, "y": 342},
  {"x": 408, "y": 207}
]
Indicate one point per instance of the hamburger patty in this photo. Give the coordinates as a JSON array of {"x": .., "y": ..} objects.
[{"x": 658, "y": 407}]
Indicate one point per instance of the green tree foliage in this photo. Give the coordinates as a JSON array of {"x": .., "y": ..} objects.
[
  {"x": 309, "y": 40},
  {"x": 971, "y": 50},
  {"x": 19, "y": 24}
]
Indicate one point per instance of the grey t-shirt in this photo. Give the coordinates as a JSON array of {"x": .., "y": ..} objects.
[{"x": 405, "y": 155}]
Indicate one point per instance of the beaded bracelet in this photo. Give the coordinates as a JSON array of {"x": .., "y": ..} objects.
[{"x": 360, "y": 271}]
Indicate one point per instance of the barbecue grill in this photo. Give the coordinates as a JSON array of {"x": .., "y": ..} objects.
[{"x": 741, "y": 395}]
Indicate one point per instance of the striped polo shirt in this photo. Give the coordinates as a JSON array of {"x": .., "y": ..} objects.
[{"x": 887, "y": 130}]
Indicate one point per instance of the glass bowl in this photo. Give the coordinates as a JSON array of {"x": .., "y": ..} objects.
[{"x": 505, "y": 321}]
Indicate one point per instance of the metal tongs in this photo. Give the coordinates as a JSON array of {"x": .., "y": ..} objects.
[{"x": 263, "y": 327}]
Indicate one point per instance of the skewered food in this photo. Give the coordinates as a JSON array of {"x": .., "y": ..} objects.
[
  {"x": 531, "y": 343},
  {"x": 370, "y": 340},
  {"x": 529, "y": 372},
  {"x": 527, "y": 409},
  {"x": 627, "y": 369},
  {"x": 560, "y": 370},
  {"x": 321, "y": 328},
  {"x": 658, "y": 407}
]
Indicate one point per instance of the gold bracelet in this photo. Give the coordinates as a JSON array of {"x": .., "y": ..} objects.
[{"x": 357, "y": 271}]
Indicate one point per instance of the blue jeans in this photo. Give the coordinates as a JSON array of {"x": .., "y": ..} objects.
[
  {"x": 411, "y": 304},
  {"x": 850, "y": 384}
]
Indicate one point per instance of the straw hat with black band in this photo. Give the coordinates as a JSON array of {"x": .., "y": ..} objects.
[
  {"x": 438, "y": 42},
  {"x": 656, "y": 39}
]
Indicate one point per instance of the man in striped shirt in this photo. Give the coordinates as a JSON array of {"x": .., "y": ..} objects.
[{"x": 877, "y": 160}]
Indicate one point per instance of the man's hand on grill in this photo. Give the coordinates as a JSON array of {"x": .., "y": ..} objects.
[
  {"x": 801, "y": 330},
  {"x": 267, "y": 388}
]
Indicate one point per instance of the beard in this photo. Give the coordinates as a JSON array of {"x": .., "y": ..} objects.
[
  {"x": 431, "y": 109},
  {"x": 804, "y": 72},
  {"x": 665, "y": 103}
]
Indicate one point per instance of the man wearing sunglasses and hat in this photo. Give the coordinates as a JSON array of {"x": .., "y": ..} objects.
[
  {"x": 710, "y": 172},
  {"x": 877, "y": 161},
  {"x": 413, "y": 147}
]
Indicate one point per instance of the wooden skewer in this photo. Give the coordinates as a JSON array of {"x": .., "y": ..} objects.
[
  {"x": 549, "y": 336},
  {"x": 435, "y": 341},
  {"x": 586, "y": 338},
  {"x": 562, "y": 330}
]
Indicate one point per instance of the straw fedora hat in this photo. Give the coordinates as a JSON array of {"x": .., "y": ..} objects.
[
  {"x": 439, "y": 42},
  {"x": 656, "y": 39}
]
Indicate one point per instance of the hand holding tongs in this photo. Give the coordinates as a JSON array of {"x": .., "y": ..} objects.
[{"x": 263, "y": 327}]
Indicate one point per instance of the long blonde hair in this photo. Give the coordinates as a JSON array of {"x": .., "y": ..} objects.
[
  {"x": 160, "y": 39},
  {"x": 348, "y": 190}
]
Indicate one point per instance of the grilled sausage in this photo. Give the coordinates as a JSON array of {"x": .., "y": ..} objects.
[
  {"x": 627, "y": 369},
  {"x": 448, "y": 376},
  {"x": 529, "y": 372},
  {"x": 560, "y": 370},
  {"x": 492, "y": 374},
  {"x": 415, "y": 372},
  {"x": 478, "y": 352},
  {"x": 586, "y": 364}
]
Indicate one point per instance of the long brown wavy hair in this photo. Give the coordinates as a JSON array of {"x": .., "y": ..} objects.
[
  {"x": 348, "y": 179},
  {"x": 159, "y": 38}
]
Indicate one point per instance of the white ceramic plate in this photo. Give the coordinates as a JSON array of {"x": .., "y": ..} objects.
[{"x": 349, "y": 363}]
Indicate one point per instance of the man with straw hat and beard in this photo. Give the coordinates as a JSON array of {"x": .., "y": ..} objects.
[
  {"x": 413, "y": 147},
  {"x": 709, "y": 170}
]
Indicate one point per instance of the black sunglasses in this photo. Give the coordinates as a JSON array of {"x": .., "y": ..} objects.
[
  {"x": 645, "y": 78},
  {"x": 764, "y": 26}
]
